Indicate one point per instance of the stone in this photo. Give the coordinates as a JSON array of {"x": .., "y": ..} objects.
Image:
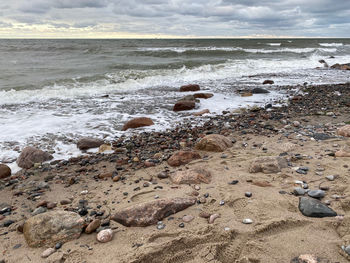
[
  {"x": 5, "y": 171},
  {"x": 321, "y": 136},
  {"x": 39, "y": 210},
  {"x": 137, "y": 123},
  {"x": 149, "y": 213},
  {"x": 104, "y": 148},
  {"x": 299, "y": 191},
  {"x": 48, "y": 252},
  {"x": 51, "y": 227},
  {"x": 104, "y": 236},
  {"x": 267, "y": 165},
  {"x": 344, "y": 131},
  {"x": 342, "y": 153},
  {"x": 203, "y": 95},
  {"x": 212, "y": 218},
  {"x": 309, "y": 258},
  {"x": 311, "y": 207},
  {"x": 347, "y": 250},
  {"x": 213, "y": 143},
  {"x": 187, "y": 218},
  {"x": 30, "y": 155},
  {"x": 183, "y": 157},
  {"x": 247, "y": 221},
  {"x": 93, "y": 226},
  {"x": 316, "y": 193},
  {"x": 184, "y": 106},
  {"x": 200, "y": 113},
  {"x": 268, "y": 81},
  {"x": 190, "y": 87},
  {"x": 259, "y": 91},
  {"x": 88, "y": 143},
  {"x": 191, "y": 176}
]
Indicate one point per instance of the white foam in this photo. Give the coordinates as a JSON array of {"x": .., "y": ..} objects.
[
  {"x": 331, "y": 44},
  {"x": 274, "y": 44}
]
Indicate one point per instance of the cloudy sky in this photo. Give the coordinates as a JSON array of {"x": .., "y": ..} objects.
[{"x": 174, "y": 18}]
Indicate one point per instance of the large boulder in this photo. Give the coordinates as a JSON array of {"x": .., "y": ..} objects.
[
  {"x": 49, "y": 228},
  {"x": 137, "y": 123},
  {"x": 267, "y": 165},
  {"x": 183, "y": 157},
  {"x": 311, "y": 207},
  {"x": 203, "y": 95},
  {"x": 191, "y": 176},
  {"x": 5, "y": 171},
  {"x": 213, "y": 143},
  {"x": 190, "y": 87},
  {"x": 184, "y": 105},
  {"x": 88, "y": 143},
  {"x": 344, "y": 131},
  {"x": 31, "y": 155},
  {"x": 150, "y": 213}
]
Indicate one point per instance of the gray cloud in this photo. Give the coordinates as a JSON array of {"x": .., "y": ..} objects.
[{"x": 190, "y": 17}]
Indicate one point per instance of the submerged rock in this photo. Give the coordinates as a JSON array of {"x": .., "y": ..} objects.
[
  {"x": 184, "y": 105},
  {"x": 150, "y": 213},
  {"x": 213, "y": 143},
  {"x": 88, "y": 143},
  {"x": 137, "y": 123},
  {"x": 203, "y": 95},
  {"x": 31, "y": 155},
  {"x": 190, "y": 87},
  {"x": 259, "y": 91},
  {"x": 191, "y": 176},
  {"x": 311, "y": 207}
]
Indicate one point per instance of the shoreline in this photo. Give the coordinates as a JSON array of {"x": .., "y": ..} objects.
[{"x": 138, "y": 172}]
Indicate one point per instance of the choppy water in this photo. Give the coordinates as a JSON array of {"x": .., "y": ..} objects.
[{"x": 52, "y": 91}]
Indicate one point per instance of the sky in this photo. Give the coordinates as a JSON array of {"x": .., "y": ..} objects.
[{"x": 173, "y": 18}]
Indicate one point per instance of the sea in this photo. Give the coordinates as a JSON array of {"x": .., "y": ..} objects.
[{"x": 53, "y": 92}]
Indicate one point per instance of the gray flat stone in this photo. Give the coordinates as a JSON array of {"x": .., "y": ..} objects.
[
  {"x": 316, "y": 193},
  {"x": 314, "y": 208}
]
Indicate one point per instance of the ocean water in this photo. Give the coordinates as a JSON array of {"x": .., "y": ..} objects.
[{"x": 52, "y": 92}]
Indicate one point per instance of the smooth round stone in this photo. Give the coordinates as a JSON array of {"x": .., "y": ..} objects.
[
  {"x": 160, "y": 227},
  {"x": 58, "y": 245},
  {"x": 248, "y": 194},
  {"x": 247, "y": 221},
  {"x": 330, "y": 177},
  {"x": 222, "y": 202},
  {"x": 105, "y": 235},
  {"x": 182, "y": 225},
  {"x": 347, "y": 250},
  {"x": 233, "y": 182},
  {"x": 299, "y": 191},
  {"x": 188, "y": 218},
  {"x": 48, "y": 252},
  {"x": 316, "y": 193}
]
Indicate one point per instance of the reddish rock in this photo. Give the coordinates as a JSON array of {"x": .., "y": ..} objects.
[
  {"x": 88, "y": 143},
  {"x": 341, "y": 66},
  {"x": 344, "y": 131},
  {"x": 309, "y": 258},
  {"x": 149, "y": 213},
  {"x": 203, "y": 95},
  {"x": 183, "y": 157},
  {"x": 5, "y": 171},
  {"x": 268, "y": 81},
  {"x": 190, "y": 87},
  {"x": 213, "y": 143},
  {"x": 267, "y": 165},
  {"x": 30, "y": 155},
  {"x": 137, "y": 123},
  {"x": 191, "y": 176},
  {"x": 184, "y": 105},
  {"x": 93, "y": 226},
  {"x": 200, "y": 113},
  {"x": 342, "y": 153}
]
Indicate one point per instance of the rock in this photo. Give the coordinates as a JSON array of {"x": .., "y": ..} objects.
[
  {"x": 49, "y": 228},
  {"x": 341, "y": 66},
  {"x": 184, "y": 105},
  {"x": 309, "y": 258},
  {"x": 200, "y": 113},
  {"x": 187, "y": 218},
  {"x": 299, "y": 191},
  {"x": 204, "y": 214},
  {"x": 344, "y": 131},
  {"x": 5, "y": 171},
  {"x": 321, "y": 136},
  {"x": 212, "y": 218},
  {"x": 48, "y": 252},
  {"x": 347, "y": 250},
  {"x": 311, "y": 207},
  {"x": 268, "y": 82},
  {"x": 342, "y": 153},
  {"x": 203, "y": 95},
  {"x": 267, "y": 165},
  {"x": 39, "y": 210},
  {"x": 104, "y": 148},
  {"x": 247, "y": 221},
  {"x": 104, "y": 236},
  {"x": 189, "y": 98},
  {"x": 190, "y": 87},
  {"x": 191, "y": 176},
  {"x": 213, "y": 143},
  {"x": 316, "y": 193},
  {"x": 137, "y": 123},
  {"x": 30, "y": 155},
  {"x": 88, "y": 143},
  {"x": 183, "y": 157},
  {"x": 149, "y": 213},
  {"x": 93, "y": 226},
  {"x": 246, "y": 94},
  {"x": 260, "y": 91}
]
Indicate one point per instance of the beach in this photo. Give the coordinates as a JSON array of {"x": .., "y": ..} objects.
[{"x": 238, "y": 197}]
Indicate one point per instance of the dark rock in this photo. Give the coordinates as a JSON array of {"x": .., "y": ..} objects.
[
  {"x": 321, "y": 136},
  {"x": 150, "y": 213},
  {"x": 259, "y": 91},
  {"x": 316, "y": 193},
  {"x": 190, "y": 87},
  {"x": 268, "y": 82},
  {"x": 5, "y": 171},
  {"x": 137, "y": 122},
  {"x": 184, "y": 105},
  {"x": 88, "y": 143},
  {"x": 314, "y": 208},
  {"x": 203, "y": 95},
  {"x": 30, "y": 155}
]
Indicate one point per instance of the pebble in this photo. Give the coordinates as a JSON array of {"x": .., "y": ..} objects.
[
  {"x": 58, "y": 245},
  {"x": 347, "y": 250},
  {"x": 316, "y": 193},
  {"x": 39, "y": 210},
  {"x": 213, "y": 217},
  {"x": 248, "y": 194},
  {"x": 93, "y": 226},
  {"x": 48, "y": 252},
  {"x": 204, "y": 214},
  {"x": 84, "y": 192},
  {"x": 222, "y": 202},
  {"x": 233, "y": 182},
  {"x": 330, "y": 177},
  {"x": 299, "y": 191},
  {"x": 187, "y": 218},
  {"x": 160, "y": 225},
  {"x": 105, "y": 235},
  {"x": 247, "y": 221},
  {"x": 182, "y": 225}
]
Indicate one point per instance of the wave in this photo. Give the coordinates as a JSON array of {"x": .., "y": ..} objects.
[
  {"x": 274, "y": 44},
  {"x": 330, "y": 44}
]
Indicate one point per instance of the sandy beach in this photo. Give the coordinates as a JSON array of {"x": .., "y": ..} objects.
[{"x": 254, "y": 211}]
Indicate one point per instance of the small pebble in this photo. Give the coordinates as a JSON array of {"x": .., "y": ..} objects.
[
  {"x": 187, "y": 218},
  {"x": 48, "y": 252},
  {"x": 222, "y": 202},
  {"x": 182, "y": 225},
  {"x": 58, "y": 245},
  {"x": 213, "y": 217},
  {"x": 105, "y": 235},
  {"x": 233, "y": 182},
  {"x": 248, "y": 194},
  {"x": 247, "y": 221}
]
